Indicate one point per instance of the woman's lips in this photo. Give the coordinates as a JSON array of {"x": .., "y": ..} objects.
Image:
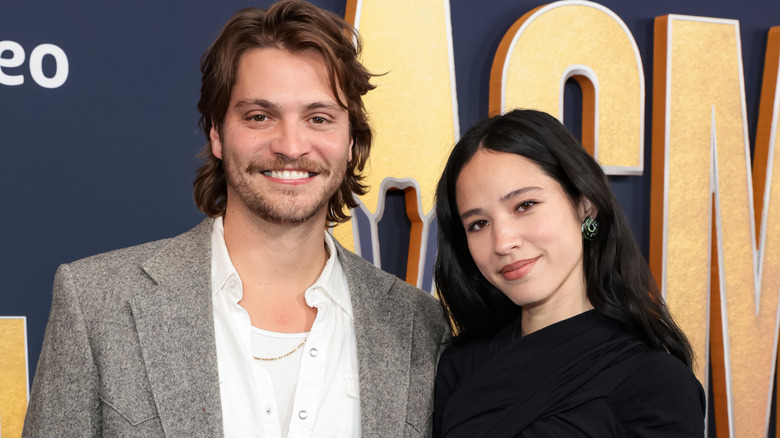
[{"x": 518, "y": 269}]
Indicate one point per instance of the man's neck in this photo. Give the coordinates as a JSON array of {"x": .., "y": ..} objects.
[{"x": 276, "y": 263}]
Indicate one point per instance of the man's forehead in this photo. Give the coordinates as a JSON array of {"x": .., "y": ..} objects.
[
  {"x": 266, "y": 76},
  {"x": 271, "y": 58}
]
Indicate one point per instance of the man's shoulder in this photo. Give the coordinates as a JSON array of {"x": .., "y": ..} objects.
[
  {"x": 136, "y": 253},
  {"x": 119, "y": 259},
  {"x": 371, "y": 273},
  {"x": 360, "y": 269}
]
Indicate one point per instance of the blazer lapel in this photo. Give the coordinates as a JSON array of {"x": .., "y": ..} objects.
[
  {"x": 175, "y": 327},
  {"x": 383, "y": 327}
]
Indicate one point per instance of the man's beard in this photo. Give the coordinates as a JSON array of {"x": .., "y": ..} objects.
[{"x": 289, "y": 209}]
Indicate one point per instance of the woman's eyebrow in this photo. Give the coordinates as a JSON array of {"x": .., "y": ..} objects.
[
  {"x": 514, "y": 193},
  {"x": 519, "y": 192}
]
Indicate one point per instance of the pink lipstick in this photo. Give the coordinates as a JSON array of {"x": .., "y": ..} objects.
[{"x": 518, "y": 269}]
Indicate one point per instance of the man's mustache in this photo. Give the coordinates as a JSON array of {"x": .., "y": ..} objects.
[{"x": 282, "y": 163}]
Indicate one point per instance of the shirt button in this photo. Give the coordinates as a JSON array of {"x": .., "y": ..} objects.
[
  {"x": 232, "y": 283},
  {"x": 268, "y": 411},
  {"x": 313, "y": 352},
  {"x": 303, "y": 415}
]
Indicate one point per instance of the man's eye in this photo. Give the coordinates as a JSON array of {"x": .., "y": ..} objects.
[
  {"x": 259, "y": 118},
  {"x": 317, "y": 120}
]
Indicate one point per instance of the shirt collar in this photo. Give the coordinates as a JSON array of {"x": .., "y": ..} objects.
[
  {"x": 331, "y": 281},
  {"x": 221, "y": 266}
]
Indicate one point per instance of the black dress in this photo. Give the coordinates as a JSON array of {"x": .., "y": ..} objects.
[{"x": 582, "y": 377}]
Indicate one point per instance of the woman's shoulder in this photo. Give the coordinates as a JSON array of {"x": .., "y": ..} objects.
[
  {"x": 460, "y": 358},
  {"x": 460, "y": 361},
  {"x": 457, "y": 363},
  {"x": 660, "y": 394},
  {"x": 641, "y": 366},
  {"x": 658, "y": 371},
  {"x": 466, "y": 355}
]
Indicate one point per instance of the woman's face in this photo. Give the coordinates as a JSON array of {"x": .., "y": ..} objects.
[{"x": 523, "y": 232}]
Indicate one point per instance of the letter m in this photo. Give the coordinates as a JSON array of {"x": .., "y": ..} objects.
[{"x": 715, "y": 222}]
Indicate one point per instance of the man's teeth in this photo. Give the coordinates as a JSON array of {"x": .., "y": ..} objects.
[{"x": 288, "y": 174}]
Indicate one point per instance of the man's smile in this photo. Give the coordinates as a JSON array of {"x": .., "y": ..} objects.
[{"x": 289, "y": 174}]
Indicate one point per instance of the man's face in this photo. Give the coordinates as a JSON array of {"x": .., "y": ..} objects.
[{"x": 285, "y": 141}]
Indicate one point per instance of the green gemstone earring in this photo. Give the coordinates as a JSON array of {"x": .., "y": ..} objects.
[{"x": 590, "y": 228}]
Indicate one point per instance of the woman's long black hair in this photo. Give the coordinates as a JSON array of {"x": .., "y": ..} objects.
[{"x": 619, "y": 282}]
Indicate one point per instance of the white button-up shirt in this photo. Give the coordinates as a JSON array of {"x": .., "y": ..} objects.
[{"x": 327, "y": 400}]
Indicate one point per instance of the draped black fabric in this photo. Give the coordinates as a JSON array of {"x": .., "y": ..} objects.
[{"x": 582, "y": 377}]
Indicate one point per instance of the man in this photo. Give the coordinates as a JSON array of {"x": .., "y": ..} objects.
[{"x": 256, "y": 322}]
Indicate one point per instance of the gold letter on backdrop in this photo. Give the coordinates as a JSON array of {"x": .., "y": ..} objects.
[
  {"x": 413, "y": 111},
  {"x": 13, "y": 375},
  {"x": 546, "y": 47},
  {"x": 702, "y": 177},
  {"x": 765, "y": 188}
]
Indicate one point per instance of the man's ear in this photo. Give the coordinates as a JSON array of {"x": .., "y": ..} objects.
[
  {"x": 351, "y": 146},
  {"x": 216, "y": 142}
]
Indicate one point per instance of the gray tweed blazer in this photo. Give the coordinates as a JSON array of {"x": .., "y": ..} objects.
[{"x": 129, "y": 349}]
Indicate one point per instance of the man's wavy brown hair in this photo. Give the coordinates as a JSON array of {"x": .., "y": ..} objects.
[{"x": 290, "y": 25}]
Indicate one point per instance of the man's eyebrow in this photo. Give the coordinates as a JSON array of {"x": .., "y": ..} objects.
[
  {"x": 514, "y": 193},
  {"x": 323, "y": 105},
  {"x": 262, "y": 103},
  {"x": 267, "y": 104}
]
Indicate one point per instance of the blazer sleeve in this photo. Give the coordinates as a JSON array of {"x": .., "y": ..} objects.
[{"x": 64, "y": 400}]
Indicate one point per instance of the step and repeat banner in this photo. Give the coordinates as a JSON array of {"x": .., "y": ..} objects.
[{"x": 679, "y": 102}]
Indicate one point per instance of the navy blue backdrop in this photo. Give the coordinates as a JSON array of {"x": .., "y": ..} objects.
[{"x": 107, "y": 159}]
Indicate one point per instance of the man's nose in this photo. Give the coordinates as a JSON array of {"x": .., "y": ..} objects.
[{"x": 290, "y": 140}]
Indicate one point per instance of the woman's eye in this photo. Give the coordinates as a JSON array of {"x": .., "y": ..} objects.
[
  {"x": 478, "y": 225},
  {"x": 525, "y": 205}
]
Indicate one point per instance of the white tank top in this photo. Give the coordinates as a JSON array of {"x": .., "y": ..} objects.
[{"x": 283, "y": 370}]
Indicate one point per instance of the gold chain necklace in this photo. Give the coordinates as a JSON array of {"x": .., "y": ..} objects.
[
  {"x": 284, "y": 355},
  {"x": 327, "y": 250}
]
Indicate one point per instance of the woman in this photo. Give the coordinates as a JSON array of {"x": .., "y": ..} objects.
[{"x": 559, "y": 327}]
